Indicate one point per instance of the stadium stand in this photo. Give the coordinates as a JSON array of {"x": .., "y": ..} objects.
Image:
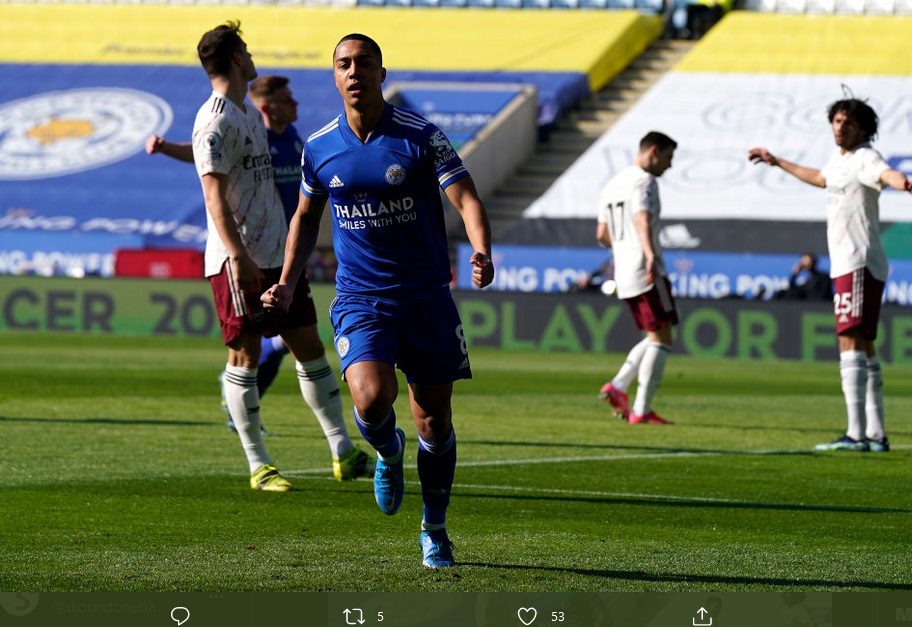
[
  {"x": 731, "y": 227},
  {"x": 576, "y": 131},
  {"x": 648, "y": 7},
  {"x": 821, "y": 7},
  {"x": 717, "y": 105},
  {"x": 146, "y": 53},
  {"x": 829, "y": 7},
  {"x": 579, "y": 105},
  {"x": 663, "y": 8},
  {"x": 294, "y": 40}
]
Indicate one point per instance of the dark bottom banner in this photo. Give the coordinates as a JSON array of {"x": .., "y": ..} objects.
[
  {"x": 454, "y": 609},
  {"x": 724, "y": 328}
]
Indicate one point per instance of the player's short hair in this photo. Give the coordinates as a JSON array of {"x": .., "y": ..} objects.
[
  {"x": 373, "y": 45},
  {"x": 265, "y": 86},
  {"x": 217, "y": 47},
  {"x": 858, "y": 110},
  {"x": 657, "y": 139}
]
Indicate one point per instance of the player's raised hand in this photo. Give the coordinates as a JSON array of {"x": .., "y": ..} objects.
[
  {"x": 483, "y": 272},
  {"x": 762, "y": 155},
  {"x": 277, "y": 297}
]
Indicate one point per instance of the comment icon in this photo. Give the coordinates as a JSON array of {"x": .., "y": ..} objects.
[{"x": 180, "y": 615}]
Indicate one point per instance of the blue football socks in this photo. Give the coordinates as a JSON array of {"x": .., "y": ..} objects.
[
  {"x": 272, "y": 351},
  {"x": 436, "y": 470},
  {"x": 381, "y": 436}
]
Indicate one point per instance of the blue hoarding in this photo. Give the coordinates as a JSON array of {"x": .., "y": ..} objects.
[
  {"x": 76, "y": 183},
  {"x": 693, "y": 274}
]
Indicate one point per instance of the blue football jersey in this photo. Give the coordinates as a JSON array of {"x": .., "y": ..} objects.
[
  {"x": 384, "y": 198},
  {"x": 285, "y": 151}
]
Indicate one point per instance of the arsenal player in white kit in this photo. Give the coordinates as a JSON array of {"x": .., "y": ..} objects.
[
  {"x": 245, "y": 250},
  {"x": 628, "y": 222},
  {"x": 854, "y": 178}
]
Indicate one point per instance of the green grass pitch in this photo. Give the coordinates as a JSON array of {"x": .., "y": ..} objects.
[{"x": 119, "y": 475}]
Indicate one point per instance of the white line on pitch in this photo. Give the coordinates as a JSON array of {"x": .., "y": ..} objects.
[
  {"x": 570, "y": 460},
  {"x": 595, "y": 493},
  {"x": 597, "y": 458},
  {"x": 593, "y": 458},
  {"x": 531, "y": 490},
  {"x": 660, "y": 497}
]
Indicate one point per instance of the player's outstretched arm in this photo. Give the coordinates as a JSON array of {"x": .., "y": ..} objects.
[
  {"x": 897, "y": 180},
  {"x": 181, "y": 151},
  {"x": 811, "y": 176},
  {"x": 464, "y": 197}
]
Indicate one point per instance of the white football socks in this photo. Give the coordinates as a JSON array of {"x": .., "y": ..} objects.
[
  {"x": 649, "y": 376},
  {"x": 631, "y": 365},
  {"x": 874, "y": 401},
  {"x": 243, "y": 400},
  {"x": 320, "y": 390},
  {"x": 853, "y": 370}
]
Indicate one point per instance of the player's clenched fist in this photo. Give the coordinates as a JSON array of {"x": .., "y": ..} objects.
[
  {"x": 483, "y": 272},
  {"x": 277, "y": 297}
]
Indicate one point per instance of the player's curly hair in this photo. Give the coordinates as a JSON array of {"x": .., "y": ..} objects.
[{"x": 858, "y": 110}]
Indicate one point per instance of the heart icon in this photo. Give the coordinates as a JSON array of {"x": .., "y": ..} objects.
[{"x": 527, "y": 615}]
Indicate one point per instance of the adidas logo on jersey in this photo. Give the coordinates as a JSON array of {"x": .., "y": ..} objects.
[{"x": 336, "y": 182}]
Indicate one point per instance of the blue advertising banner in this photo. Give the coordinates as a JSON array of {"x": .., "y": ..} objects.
[
  {"x": 76, "y": 183},
  {"x": 693, "y": 274}
]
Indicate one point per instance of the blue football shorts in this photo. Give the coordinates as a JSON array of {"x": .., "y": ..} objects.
[{"x": 423, "y": 339}]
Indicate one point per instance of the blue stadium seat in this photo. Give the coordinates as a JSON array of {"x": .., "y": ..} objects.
[
  {"x": 565, "y": 4},
  {"x": 425, "y": 3},
  {"x": 453, "y": 3},
  {"x": 508, "y": 4},
  {"x": 593, "y": 4},
  {"x": 536, "y": 4},
  {"x": 480, "y": 4},
  {"x": 650, "y": 7}
]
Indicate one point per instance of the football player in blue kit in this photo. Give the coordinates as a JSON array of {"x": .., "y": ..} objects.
[{"x": 379, "y": 169}]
